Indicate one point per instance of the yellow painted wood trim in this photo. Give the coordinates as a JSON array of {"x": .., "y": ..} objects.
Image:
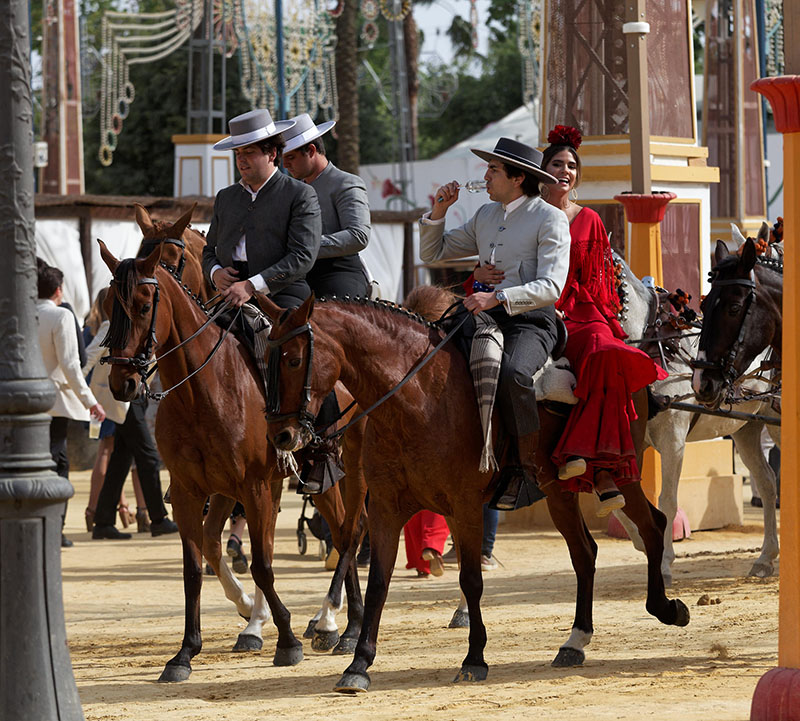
[
  {"x": 196, "y": 139},
  {"x": 662, "y": 149},
  {"x": 660, "y": 173}
]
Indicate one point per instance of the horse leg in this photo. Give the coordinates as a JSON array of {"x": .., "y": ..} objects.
[
  {"x": 385, "y": 524},
  {"x": 748, "y": 443},
  {"x": 188, "y": 513},
  {"x": 469, "y": 533},
  {"x": 669, "y": 439},
  {"x": 219, "y": 509},
  {"x": 322, "y": 629},
  {"x": 566, "y": 515},
  {"x": 262, "y": 513},
  {"x": 651, "y": 524},
  {"x": 353, "y": 527}
]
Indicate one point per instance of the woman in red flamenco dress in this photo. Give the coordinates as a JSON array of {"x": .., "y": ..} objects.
[{"x": 596, "y": 451}]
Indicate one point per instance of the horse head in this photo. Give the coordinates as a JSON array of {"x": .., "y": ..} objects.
[
  {"x": 182, "y": 247},
  {"x": 301, "y": 371},
  {"x": 739, "y": 322},
  {"x": 138, "y": 318}
]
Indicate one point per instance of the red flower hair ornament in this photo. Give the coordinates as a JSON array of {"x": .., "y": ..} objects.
[{"x": 565, "y": 135}]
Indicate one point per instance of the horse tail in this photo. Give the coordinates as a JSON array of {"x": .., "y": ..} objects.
[{"x": 429, "y": 301}]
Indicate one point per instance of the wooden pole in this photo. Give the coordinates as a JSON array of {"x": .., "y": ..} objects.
[
  {"x": 635, "y": 31},
  {"x": 777, "y": 696}
]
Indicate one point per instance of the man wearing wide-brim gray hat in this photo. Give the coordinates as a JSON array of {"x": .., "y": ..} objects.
[
  {"x": 265, "y": 230},
  {"x": 345, "y": 210},
  {"x": 525, "y": 243},
  {"x": 339, "y": 269}
]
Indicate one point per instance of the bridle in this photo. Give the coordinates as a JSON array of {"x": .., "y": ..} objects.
[
  {"x": 143, "y": 362},
  {"x": 726, "y": 365},
  {"x": 306, "y": 419},
  {"x": 151, "y": 243}
]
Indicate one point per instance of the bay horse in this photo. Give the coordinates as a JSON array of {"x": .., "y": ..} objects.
[
  {"x": 670, "y": 430},
  {"x": 422, "y": 451},
  {"x": 342, "y": 506},
  {"x": 210, "y": 433}
]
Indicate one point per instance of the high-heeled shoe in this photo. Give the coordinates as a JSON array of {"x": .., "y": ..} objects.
[
  {"x": 125, "y": 515},
  {"x": 142, "y": 520},
  {"x": 88, "y": 514}
]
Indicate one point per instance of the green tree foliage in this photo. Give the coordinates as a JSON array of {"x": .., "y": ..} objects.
[
  {"x": 488, "y": 88},
  {"x": 144, "y": 157}
]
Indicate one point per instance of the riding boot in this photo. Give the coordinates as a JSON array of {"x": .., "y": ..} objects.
[
  {"x": 518, "y": 487},
  {"x": 321, "y": 465}
]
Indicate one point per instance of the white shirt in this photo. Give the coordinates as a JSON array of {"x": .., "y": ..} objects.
[{"x": 240, "y": 251}]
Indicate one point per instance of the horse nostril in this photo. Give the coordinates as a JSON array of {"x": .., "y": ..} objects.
[
  {"x": 283, "y": 440},
  {"x": 130, "y": 388}
]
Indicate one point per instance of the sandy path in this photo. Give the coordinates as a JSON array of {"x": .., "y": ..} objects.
[{"x": 124, "y": 613}]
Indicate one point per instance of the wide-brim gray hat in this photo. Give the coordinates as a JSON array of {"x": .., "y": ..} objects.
[
  {"x": 304, "y": 131},
  {"x": 519, "y": 155},
  {"x": 251, "y": 127}
]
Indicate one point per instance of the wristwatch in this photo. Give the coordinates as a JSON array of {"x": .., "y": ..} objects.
[{"x": 501, "y": 296}]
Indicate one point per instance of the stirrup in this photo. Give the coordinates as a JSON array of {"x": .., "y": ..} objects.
[{"x": 515, "y": 490}]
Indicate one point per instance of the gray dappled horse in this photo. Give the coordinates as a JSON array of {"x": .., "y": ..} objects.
[{"x": 670, "y": 430}]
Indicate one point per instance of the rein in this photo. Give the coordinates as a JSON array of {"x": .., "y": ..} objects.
[
  {"x": 306, "y": 419},
  {"x": 144, "y": 362},
  {"x": 150, "y": 245}
]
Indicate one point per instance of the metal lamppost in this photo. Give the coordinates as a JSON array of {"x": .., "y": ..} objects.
[{"x": 36, "y": 680}]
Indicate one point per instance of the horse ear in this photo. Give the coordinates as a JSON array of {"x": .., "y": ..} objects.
[
  {"x": 149, "y": 264},
  {"x": 748, "y": 259},
  {"x": 181, "y": 223},
  {"x": 272, "y": 311},
  {"x": 304, "y": 311},
  {"x": 720, "y": 252},
  {"x": 108, "y": 257},
  {"x": 143, "y": 219},
  {"x": 737, "y": 239},
  {"x": 763, "y": 232}
]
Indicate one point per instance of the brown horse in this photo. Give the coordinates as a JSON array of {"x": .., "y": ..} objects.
[
  {"x": 210, "y": 432},
  {"x": 422, "y": 450},
  {"x": 342, "y": 507}
]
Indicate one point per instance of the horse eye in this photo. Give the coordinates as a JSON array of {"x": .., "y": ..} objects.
[
  {"x": 295, "y": 362},
  {"x": 734, "y": 308},
  {"x": 145, "y": 309}
]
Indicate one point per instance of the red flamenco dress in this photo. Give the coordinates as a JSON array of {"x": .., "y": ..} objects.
[{"x": 608, "y": 371}]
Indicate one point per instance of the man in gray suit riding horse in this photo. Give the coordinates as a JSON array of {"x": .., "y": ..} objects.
[{"x": 528, "y": 239}]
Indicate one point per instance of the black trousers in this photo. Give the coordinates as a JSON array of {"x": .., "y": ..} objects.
[
  {"x": 58, "y": 450},
  {"x": 292, "y": 296},
  {"x": 132, "y": 441},
  {"x": 529, "y": 339},
  {"x": 340, "y": 283},
  {"x": 58, "y": 445}
]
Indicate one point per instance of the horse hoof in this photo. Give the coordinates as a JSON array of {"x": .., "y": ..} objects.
[
  {"x": 761, "y": 570},
  {"x": 460, "y": 620},
  {"x": 324, "y": 641},
  {"x": 288, "y": 656},
  {"x": 173, "y": 673},
  {"x": 352, "y": 682},
  {"x": 681, "y": 613},
  {"x": 472, "y": 672},
  {"x": 309, "y": 632},
  {"x": 345, "y": 647},
  {"x": 568, "y": 657},
  {"x": 247, "y": 642}
]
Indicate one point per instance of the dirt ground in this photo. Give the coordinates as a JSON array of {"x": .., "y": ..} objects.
[{"x": 124, "y": 614}]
